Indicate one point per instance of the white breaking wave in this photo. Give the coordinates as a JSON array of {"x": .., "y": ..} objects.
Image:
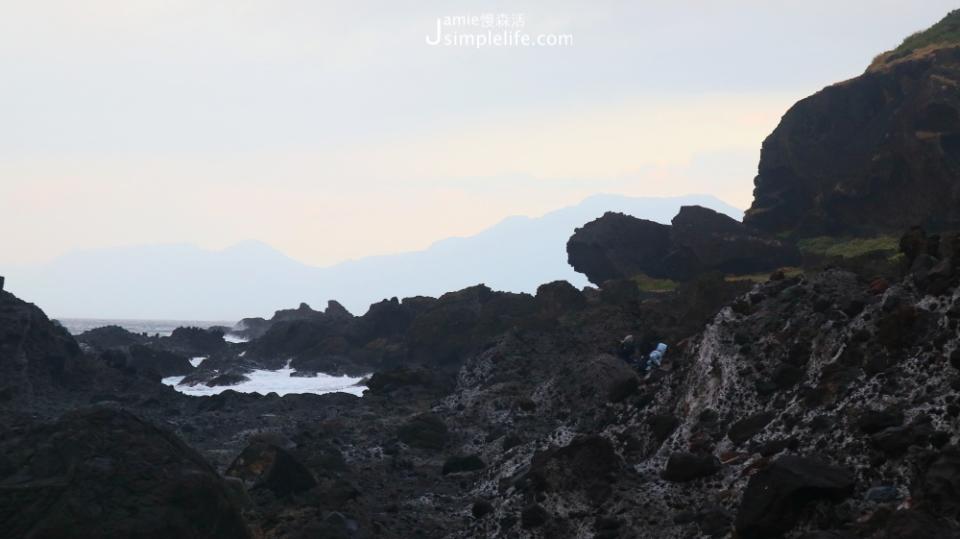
[
  {"x": 196, "y": 361},
  {"x": 234, "y": 338},
  {"x": 279, "y": 382}
]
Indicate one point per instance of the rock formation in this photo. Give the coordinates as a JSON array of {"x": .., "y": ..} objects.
[
  {"x": 875, "y": 154},
  {"x": 698, "y": 241}
]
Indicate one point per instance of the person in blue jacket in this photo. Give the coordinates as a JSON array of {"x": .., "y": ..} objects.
[{"x": 656, "y": 357}]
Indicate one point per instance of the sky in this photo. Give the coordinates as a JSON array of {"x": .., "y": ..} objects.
[{"x": 334, "y": 131}]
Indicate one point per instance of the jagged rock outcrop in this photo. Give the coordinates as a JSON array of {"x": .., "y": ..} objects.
[
  {"x": 194, "y": 342},
  {"x": 874, "y": 154},
  {"x": 37, "y": 356},
  {"x": 698, "y": 241},
  {"x": 110, "y": 337}
]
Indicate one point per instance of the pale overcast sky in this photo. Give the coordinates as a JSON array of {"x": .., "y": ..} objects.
[{"x": 333, "y": 130}]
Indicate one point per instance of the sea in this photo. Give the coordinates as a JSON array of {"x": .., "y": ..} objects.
[
  {"x": 261, "y": 381},
  {"x": 162, "y": 328}
]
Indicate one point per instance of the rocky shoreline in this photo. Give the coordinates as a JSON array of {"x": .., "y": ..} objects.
[{"x": 818, "y": 401}]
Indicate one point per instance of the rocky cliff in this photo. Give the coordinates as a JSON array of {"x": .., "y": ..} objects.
[{"x": 877, "y": 153}]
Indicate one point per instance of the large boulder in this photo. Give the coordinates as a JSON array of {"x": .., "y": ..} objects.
[
  {"x": 615, "y": 246},
  {"x": 106, "y": 473},
  {"x": 776, "y": 495},
  {"x": 877, "y": 153},
  {"x": 706, "y": 240},
  {"x": 683, "y": 467}
]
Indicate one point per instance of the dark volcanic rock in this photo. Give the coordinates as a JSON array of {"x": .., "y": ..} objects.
[
  {"x": 775, "y": 496},
  {"x": 712, "y": 241},
  {"x": 163, "y": 363},
  {"x": 227, "y": 379},
  {"x": 560, "y": 297},
  {"x": 107, "y": 337},
  {"x": 616, "y": 246},
  {"x": 387, "y": 382},
  {"x": 265, "y": 465},
  {"x": 587, "y": 464},
  {"x": 425, "y": 431},
  {"x": 746, "y": 428},
  {"x": 195, "y": 342},
  {"x": 939, "y": 487},
  {"x": 107, "y": 473},
  {"x": 682, "y": 467},
  {"x": 36, "y": 355},
  {"x": 698, "y": 241},
  {"x": 877, "y": 153},
  {"x": 467, "y": 463},
  {"x": 534, "y": 516}
]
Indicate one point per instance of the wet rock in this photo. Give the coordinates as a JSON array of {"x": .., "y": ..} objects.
[
  {"x": 227, "y": 379},
  {"x": 776, "y": 495}
]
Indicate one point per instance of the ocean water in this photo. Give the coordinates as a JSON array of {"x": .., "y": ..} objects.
[
  {"x": 163, "y": 328},
  {"x": 279, "y": 382},
  {"x": 261, "y": 381}
]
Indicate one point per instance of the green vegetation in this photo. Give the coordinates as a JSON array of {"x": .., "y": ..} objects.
[
  {"x": 762, "y": 277},
  {"x": 848, "y": 247},
  {"x": 648, "y": 284},
  {"x": 944, "y": 32}
]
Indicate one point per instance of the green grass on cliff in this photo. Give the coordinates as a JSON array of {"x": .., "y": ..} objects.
[
  {"x": 648, "y": 284},
  {"x": 763, "y": 277},
  {"x": 848, "y": 247},
  {"x": 944, "y": 32}
]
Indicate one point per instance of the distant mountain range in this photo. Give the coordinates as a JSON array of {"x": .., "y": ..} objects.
[{"x": 182, "y": 281}]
